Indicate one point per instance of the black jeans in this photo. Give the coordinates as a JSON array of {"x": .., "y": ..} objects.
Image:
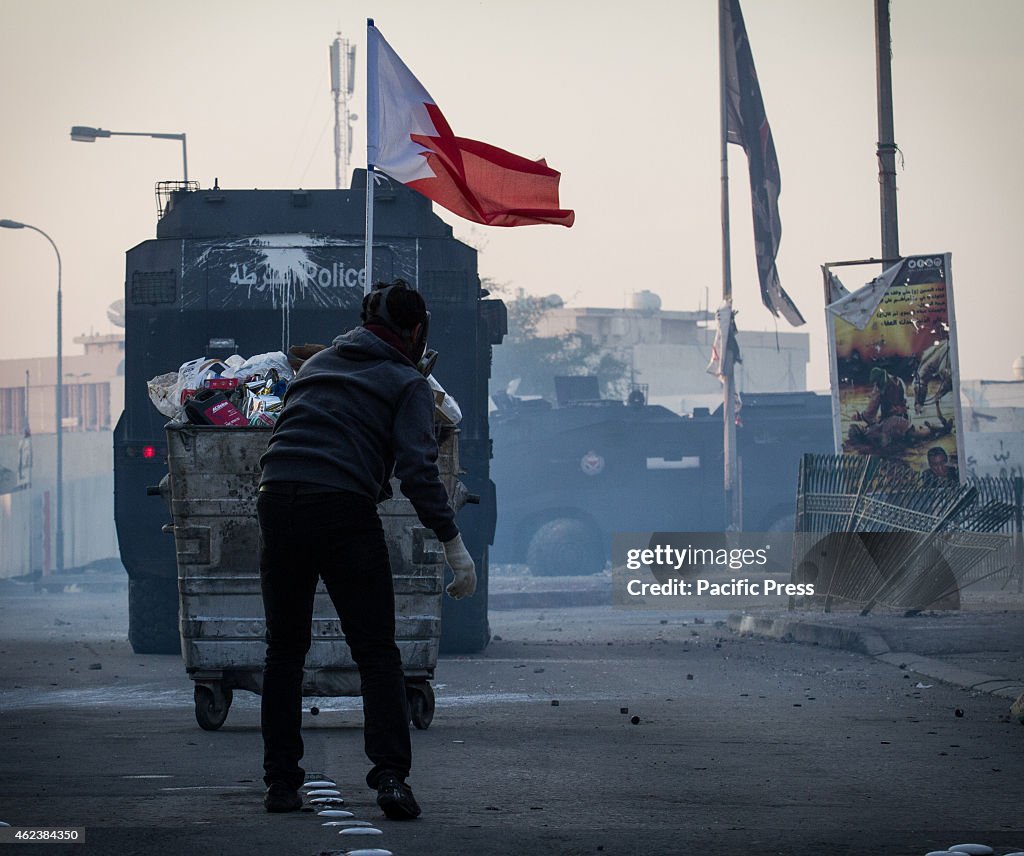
[{"x": 337, "y": 536}]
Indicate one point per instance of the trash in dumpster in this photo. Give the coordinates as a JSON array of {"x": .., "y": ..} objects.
[
  {"x": 239, "y": 392},
  {"x": 235, "y": 392},
  {"x": 161, "y": 393},
  {"x": 208, "y": 407}
]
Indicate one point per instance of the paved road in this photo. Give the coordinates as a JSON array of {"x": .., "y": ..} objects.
[{"x": 768, "y": 748}]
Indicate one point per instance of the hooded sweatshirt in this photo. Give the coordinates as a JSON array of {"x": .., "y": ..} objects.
[{"x": 355, "y": 412}]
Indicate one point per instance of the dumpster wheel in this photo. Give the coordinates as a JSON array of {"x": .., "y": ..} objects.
[
  {"x": 209, "y": 714},
  {"x": 421, "y": 704}
]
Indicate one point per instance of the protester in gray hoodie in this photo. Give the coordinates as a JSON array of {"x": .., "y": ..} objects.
[{"x": 355, "y": 413}]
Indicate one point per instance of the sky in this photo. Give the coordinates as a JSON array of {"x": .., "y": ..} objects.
[{"x": 621, "y": 98}]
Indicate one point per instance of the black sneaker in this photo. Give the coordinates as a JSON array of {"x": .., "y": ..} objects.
[
  {"x": 280, "y": 798},
  {"x": 395, "y": 797}
]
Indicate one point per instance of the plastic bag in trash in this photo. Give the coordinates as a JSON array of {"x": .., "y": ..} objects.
[
  {"x": 253, "y": 386},
  {"x": 162, "y": 394},
  {"x": 444, "y": 405},
  {"x": 192, "y": 374},
  {"x": 234, "y": 363},
  {"x": 261, "y": 364}
]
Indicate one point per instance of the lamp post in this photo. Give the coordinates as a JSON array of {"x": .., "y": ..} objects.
[
  {"x": 85, "y": 134},
  {"x": 59, "y": 409}
]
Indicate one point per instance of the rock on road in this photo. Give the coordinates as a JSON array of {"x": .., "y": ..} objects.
[{"x": 728, "y": 745}]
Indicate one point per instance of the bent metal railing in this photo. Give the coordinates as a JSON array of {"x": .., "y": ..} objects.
[{"x": 867, "y": 532}]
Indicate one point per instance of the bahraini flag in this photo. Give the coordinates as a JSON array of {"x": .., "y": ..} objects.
[{"x": 409, "y": 139}]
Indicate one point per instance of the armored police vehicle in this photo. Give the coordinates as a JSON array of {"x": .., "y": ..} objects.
[
  {"x": 252, "y": 271},
  {"x": 570, "y": 477}
]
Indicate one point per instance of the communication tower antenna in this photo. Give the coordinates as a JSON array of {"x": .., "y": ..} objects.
[{"x": 343, "y": 78}]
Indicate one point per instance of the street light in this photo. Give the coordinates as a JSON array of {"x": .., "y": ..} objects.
[
  {"x": 85, "y": 134},
  {"x": 14, "y": 224}
]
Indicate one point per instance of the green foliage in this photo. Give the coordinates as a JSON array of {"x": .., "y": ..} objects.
[{"x": 535, "y": 360}]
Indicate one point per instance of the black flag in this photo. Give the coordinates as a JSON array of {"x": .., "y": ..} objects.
[{"x": 747, "y": 126}]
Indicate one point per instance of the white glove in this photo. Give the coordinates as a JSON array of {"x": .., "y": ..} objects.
[{"x": 458, "y": 558}]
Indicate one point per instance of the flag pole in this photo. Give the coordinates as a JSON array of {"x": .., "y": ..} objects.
[
  {"x": 729, "y": 457},
  {"x": 371, "y": 151}
]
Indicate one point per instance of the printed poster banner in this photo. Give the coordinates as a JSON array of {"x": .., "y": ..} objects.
[{"x": 894, "y": 369}]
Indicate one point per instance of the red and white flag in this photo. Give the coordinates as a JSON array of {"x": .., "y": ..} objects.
[{"x": 409, "y": 139}]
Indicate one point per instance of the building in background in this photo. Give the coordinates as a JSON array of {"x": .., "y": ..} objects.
[
  {"x": 993, "y": 413},
  {"x": 669, "y": 351},
  {"x": 93, "y": 390}
]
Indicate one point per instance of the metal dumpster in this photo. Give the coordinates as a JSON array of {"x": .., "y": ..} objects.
[{"x": 213, "y": 479}]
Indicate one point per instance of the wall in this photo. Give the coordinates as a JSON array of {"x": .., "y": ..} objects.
[
  {"x": 993, "y": 413},
  {"x": 28, "y": 516}
]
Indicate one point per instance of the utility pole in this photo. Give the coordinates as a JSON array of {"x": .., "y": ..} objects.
[
  {"x": 343, "y": 73},
  {"x": 886, "y": 144}
]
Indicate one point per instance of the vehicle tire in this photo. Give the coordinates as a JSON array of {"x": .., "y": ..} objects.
[
  {"x": 565, "y": 547},
  {"x": 421, "y": 704},
  {"x": 153, "y": 615},
  {"x": 208, "y": 715}
]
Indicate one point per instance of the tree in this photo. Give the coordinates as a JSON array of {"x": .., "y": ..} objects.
[{"x": 535, "y": 360}]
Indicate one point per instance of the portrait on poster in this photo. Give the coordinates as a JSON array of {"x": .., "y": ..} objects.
[{"x": 895, "y": 380}]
